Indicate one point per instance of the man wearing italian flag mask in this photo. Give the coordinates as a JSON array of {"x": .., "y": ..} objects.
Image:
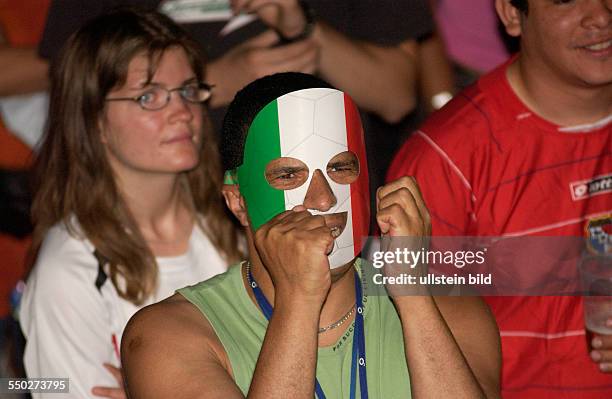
[
  {"x": 293, "y": 320},
  {"x": 309, "y": 138}
]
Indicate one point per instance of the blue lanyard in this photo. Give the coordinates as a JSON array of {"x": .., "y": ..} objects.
[{"x": 358, "y": 356}]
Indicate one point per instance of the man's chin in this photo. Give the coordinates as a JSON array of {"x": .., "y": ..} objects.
[
  {"x": 338, "y": 272},
  {"x": 341, "y": 258}
]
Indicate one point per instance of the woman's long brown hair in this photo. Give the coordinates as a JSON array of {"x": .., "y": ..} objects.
[{"x": 73, "y": 178}]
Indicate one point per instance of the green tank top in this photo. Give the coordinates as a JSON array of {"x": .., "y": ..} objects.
[{"x": 241, "y": 327}]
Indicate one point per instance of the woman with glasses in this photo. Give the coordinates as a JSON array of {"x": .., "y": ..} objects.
[{"x": 128, "y": 202}]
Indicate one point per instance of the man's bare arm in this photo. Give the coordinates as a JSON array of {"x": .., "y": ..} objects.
[
  {"x": 380, "y": 79},
  {"x": 476, "y": 332},
  {"x": 452, "y": 349},
  {"x": 167, "y": 351},
  {"x": 452, "y": 344},
  {"x": 255, "y": 58},
  {"x": 287, "y": 362},
  {"x": 170, "y": 350},
  {"x": 435, "y": 71}
]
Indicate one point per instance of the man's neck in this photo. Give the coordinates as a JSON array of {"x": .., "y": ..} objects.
[
  {"x": 339, "y": 300},
  {"x": 558, "y": 101}
]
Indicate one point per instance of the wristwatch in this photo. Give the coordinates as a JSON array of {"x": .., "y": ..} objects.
[{"x": 438, "y": 100}]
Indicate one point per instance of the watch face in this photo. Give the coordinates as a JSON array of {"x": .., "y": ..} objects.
[
  {"x": 440, "y": 99},
  {"x": 307, "y": 148}
]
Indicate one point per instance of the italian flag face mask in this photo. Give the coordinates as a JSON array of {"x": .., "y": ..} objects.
[{"x": 309, "y": 136}]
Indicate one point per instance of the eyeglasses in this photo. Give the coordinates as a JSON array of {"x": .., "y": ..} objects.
[{"x": 158, "y": 97}]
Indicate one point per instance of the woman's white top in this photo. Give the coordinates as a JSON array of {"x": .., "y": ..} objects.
[{"x": 72, "y": 327}]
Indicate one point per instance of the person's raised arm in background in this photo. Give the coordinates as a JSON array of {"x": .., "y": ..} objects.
[{"x": 23, "y": 70}]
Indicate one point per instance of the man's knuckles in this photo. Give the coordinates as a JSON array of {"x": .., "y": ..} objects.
[
  {"x": 401, "y": 196},
  {"x": 393, "y": 212},
  {"x": 402, "y": 182},
  {"x": 401, "y": 222},
  {"x": 406, "y": 181}
]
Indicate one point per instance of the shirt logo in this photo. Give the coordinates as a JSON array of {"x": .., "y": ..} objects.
[
  {"x": 583, "y": 189},
  {"x": 599, "y": 235}
]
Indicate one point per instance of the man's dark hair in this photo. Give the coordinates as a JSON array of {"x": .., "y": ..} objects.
[
  {"x": 521, "y": 5},
  {"x": 247, "y": 104}
]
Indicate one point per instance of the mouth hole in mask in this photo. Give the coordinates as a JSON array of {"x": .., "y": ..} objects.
[
  {"x": 343, "y": 168},
  {"x": 286, "y": 173}
]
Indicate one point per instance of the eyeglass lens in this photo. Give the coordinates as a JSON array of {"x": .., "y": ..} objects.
[{"x": 158, "y": 97}]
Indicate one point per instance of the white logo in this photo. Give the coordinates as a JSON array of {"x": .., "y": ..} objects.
[{"x": 587, "y": 188}]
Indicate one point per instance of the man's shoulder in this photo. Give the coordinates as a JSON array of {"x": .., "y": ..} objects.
[
  {"x": 181, "y": 314},
  {"x": 176, "y": 311},
  {"x": 174, "y": 321},
  {"x": 167, "y": 344}
]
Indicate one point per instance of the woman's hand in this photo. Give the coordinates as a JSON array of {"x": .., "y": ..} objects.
[{"x": 109, "y": 392}]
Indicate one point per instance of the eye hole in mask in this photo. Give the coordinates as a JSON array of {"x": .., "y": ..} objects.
[
  {"x": 286, "y": 173},
  {"x": 343, "y": 168}
]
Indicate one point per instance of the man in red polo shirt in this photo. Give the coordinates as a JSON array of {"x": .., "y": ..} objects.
[{"x": 527, "y": 151}]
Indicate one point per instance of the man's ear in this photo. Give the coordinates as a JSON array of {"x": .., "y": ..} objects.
[
  {"x": 235, "y": 202},
  {"x": 510, "y": 17}
]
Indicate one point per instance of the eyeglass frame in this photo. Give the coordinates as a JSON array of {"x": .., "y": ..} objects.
[{"x": 138, "y": 99}]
